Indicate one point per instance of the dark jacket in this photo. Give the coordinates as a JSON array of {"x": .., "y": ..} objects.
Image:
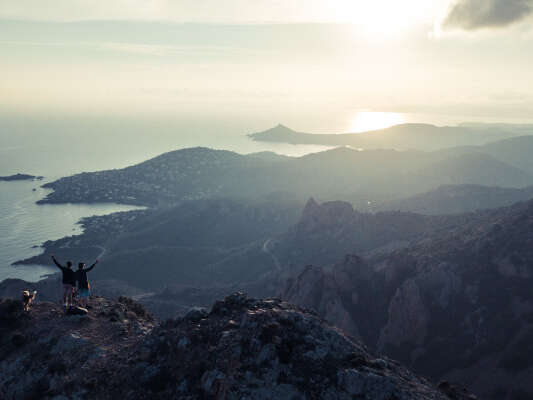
[
  {"x": 68, "y": 274},
  {"x": 81, "y": 277}
]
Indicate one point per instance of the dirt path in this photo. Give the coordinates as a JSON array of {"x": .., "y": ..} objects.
[
  {"x": 102, "y": 249},
  {"x": 267, "y": 250}
]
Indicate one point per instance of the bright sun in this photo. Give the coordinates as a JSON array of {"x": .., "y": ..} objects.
[
  {"x": 372, "y": 120},
  {"x": 382, "y": 17}
]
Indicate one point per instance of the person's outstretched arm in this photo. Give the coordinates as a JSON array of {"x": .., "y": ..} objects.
[
  {"x": 91, "y": 267},
  {"x": 56, "y": 263}
]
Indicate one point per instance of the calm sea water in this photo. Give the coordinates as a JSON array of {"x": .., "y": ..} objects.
[{"x": 63, "y": 145}]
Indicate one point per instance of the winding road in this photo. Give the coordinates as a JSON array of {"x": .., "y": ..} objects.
[
  {"x": 267, "y": 250},
  {"x": 103, "y": 251}
]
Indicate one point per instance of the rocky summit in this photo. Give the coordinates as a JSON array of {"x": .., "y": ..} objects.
[
  {"x": 50, "y": 353},
  {"x": 242, "y": 349}
]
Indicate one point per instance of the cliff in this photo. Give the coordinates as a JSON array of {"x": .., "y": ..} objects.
[{"x": 455, "y": 304}]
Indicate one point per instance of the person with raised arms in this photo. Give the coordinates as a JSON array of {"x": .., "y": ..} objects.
[
  {"x": 68, "y": 279},
  {"x": 84, "y": 288}
]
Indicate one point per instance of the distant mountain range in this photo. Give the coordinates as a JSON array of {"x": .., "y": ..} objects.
[
  {"x": 342, "y": 173},
  {"x": 515, "y": 151},
  {"x": 401, "y": 137},
  {"x": 456, "y": 199}
]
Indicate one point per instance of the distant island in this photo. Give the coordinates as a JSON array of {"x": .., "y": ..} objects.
[
  {"x": 404, "y": 136},
  {"x": 20, "y": 177}
]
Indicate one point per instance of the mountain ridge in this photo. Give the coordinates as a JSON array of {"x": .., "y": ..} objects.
[
  {"x": 341, "y": 173},
  {"x": 257, "y": 349},
  {"x": 402, "y": 136}
]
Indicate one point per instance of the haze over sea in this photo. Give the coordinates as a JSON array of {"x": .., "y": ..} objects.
[{"x": 60, "y": 146}]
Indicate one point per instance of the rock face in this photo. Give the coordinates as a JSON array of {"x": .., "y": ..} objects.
[
  {"x": 242, "y": 348},
  {"x": 347, "y": 296},
  {"x": 328, "y": 231},
  {"x": 407, "y": 318},
  {"x": 456, "y": 305}
]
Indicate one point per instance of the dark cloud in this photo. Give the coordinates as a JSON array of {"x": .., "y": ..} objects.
[{"x": 477, "y": 14}]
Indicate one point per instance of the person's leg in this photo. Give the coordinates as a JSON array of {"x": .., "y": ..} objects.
[
  {"x": 83, "y": 297},
  {"x": 69, "y": 296},
  {"x": 65, "y": 294}
]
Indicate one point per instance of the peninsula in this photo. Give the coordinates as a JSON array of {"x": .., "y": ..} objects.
[{"x": 417, "y": 136}]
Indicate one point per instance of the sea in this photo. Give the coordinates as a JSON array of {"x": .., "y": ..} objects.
[{"x": 60, "y": 145}]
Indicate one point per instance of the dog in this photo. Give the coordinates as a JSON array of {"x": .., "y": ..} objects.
[{"x": 27, "y": 299}]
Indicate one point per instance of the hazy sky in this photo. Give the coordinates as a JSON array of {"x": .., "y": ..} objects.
[{"x": 471, "y": 57}]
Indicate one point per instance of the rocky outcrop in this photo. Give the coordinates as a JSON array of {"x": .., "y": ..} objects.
[
  {"x": 314, "y": 290},
  {"x": 328, "y": 231},
  {"x": 242, "y": 348},
  {"x": 454, "y": 305},
  {"x": 408, "y": 317},
  {"x": 48, "y": 353},
  {"x": 348, "y": 296}
]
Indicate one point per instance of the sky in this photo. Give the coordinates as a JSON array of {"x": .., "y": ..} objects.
[{"x": 163, "y": 57}]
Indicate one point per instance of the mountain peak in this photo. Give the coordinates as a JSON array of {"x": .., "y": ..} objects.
[
  {"x": 280, "y": 128},
  {"x": 311, "y": 206},
  {"x": 279, "y": 132},
  {"x": 242, "y": 348},
  {"x": 329, "y": 211}
]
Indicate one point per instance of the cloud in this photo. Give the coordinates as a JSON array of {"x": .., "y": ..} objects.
[
  {"x": 158, "y": 50},
  {"x": 479, "y": 14},
  {"x": 206, "y": 11}
]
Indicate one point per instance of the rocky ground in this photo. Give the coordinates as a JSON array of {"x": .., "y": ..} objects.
[
  {"x": 242, "y": 349},
  {"x": 48, "y": 354},
  {"x": 454, "y": 306}
]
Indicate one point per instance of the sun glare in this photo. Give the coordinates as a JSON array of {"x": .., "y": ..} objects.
[
  {"x": 383, "y": 17},
  {"x": 372, "y": 120}
]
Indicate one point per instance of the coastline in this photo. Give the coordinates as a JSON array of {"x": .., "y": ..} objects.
[
  {"x": 87, "y": 245},
  {"x": 27, "y": 227}
]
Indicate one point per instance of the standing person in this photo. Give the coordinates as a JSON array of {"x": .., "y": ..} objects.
[
  {"x": 69, "y": 281},
  {"x": 84, "y": 288}
]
